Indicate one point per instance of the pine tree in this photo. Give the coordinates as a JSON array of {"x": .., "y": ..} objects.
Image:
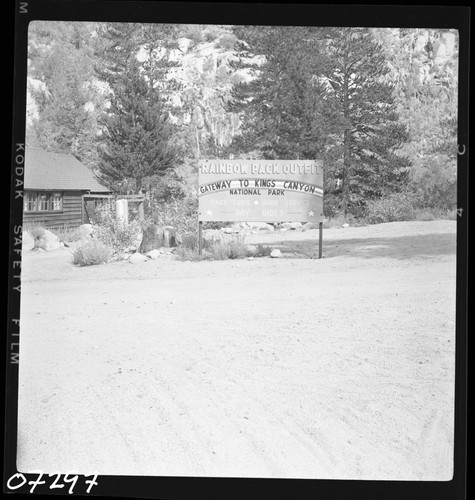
[
  {"x": 364, "y": 155},
  {"x": 283, "y": 109},
  {"x": 137, "y": 138},
  {"x": 137, "y": 134}
]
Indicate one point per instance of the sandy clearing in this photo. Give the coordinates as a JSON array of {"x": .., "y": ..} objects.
[{"x": 335, "y": 368}]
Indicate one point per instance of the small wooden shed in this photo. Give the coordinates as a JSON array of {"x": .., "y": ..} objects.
[{"x": 59, "y": 191}]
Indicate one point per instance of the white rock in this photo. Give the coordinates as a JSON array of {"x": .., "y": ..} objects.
[
  {"x": 276, "y": 253},
  {"x": 345, "y": 225},
  {"x": 85, "y": 231},
  {"x": 154, "y": 254},
  {"x": 228, "y": 230},
  {"x": 295, "y": 225},
  {"x": 27, "y": 241},
  {"x": 286, "y": 225},
  {"x": 261, "y": 226},
  {"x": 137, "y": 257},
  {"x": 50, "y": 241}
]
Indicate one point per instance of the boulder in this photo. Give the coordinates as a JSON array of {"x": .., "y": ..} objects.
[
  {"x": 295, "y": 225},
  {"x": 50, "y": 241},
  {"x": 154, "y": 254},
  {"x": 261, "y": 226},
  {"x": 137, "y": 257},
  {"x": 85, "y": 231},
  {"x": 27, "y": 241},
  {"x": 276, "y": 253},
  {"x": 345, "y": 225},
  {"x": 285, "y": 226}
]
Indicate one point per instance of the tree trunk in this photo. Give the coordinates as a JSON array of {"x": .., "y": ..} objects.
[
  {"x": 346, "y": 136},
  {"x": 346, "y": 165}
]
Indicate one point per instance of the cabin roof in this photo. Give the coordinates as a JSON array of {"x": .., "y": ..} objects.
[{"x": 64, "y": 172}]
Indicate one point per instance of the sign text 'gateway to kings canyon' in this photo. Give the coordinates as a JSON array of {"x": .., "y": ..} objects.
[{"x": 261, "y": 190}]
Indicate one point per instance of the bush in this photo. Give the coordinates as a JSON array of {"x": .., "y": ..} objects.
[
  {"x": 219, "y": 250},
  {"x": 189, "y": 241},
  {"x": 186, "y": 253},
  {"x": 113, "y": 233},
  {"x": 429, "y": 214},
  {"x": 37, "y": 232},
  {"x": 67, "y": 233},
  {"x": 230, "y": 249},
  {"x": 181, "y": 213},
  {"x": 395, "y": 207},
  {"x": 262, "y": 251},
  {"x": 91, "y": 253}
]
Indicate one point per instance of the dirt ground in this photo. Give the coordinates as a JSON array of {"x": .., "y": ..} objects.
[{"x": 341, "y": 367}]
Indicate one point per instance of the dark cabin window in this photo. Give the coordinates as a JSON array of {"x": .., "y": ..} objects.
[
  {"x": 56, "y": 202},
  {"x": 30, "y": 202},
  {"x": 43, "y": 202}
]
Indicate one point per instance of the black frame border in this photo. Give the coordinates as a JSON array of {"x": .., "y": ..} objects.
[{"x": 284, "y": 14}]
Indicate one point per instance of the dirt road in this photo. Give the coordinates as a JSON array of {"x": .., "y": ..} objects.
[{"x": 341, "y": 367}]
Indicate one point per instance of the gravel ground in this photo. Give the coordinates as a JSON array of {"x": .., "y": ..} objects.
[{"x": 341, "y": 367}]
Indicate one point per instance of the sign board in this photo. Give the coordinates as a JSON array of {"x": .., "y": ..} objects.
[{"x": 261, "y": 190}]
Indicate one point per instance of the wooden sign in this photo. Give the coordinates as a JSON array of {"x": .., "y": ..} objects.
[{"x": 261, "y": 190}]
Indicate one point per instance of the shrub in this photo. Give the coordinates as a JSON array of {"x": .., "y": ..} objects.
[
  {"x": 395, "y": 207},
  {"x": 218, "y": 250},
  {"x": 67, "y": 233},
  {"x": 181, "y": 213},
  {"x": 113, "y": 233},
  {"x": 189, "y": 241},
  {"x": 262, "y": 251},
  {"x": 38, "y": 233},
  {"x": 91, "y": 253},
  {"x": 428, "y": 214},
  {"x": 186, "y": 253},
  {"x": 229, "y": 249}
]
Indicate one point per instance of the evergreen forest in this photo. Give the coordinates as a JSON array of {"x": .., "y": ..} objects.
[{"x": 141, "y": 104}]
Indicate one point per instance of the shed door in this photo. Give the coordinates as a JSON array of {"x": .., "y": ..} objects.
[{"x": 89, "y": 208}]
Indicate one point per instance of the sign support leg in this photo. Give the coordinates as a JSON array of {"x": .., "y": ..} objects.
[
  {"x": 320, "y": 240},
  {"x": 200, "y": 238}
]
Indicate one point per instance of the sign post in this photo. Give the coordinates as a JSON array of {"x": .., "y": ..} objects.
[
  {"x": 261, "y": 191},
  {"x": 200, "y": 238},
  {"x": 320, "y": 239}
]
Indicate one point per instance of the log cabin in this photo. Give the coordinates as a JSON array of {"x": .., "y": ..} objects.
[{"x": 59, "y": 191}]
